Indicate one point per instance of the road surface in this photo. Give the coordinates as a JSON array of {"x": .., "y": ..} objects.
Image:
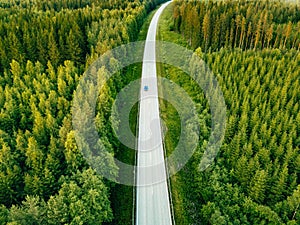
[{"x": 152, "y": 197}]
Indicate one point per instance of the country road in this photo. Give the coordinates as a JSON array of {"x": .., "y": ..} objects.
[{"x": 152, "y": 197}]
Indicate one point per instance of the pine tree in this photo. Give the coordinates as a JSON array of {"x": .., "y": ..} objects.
[
  {"x": 73, "y": 47},
  {"x": 293, "y": 203},
  {"x": 73, "y": 155},
  {"x": 243, "y": 33},
  {"x": 53, "y": 50},
  {"x": 32, "y": 212},
  {"x": 10, "y": 180},
  {"x": 87, "y": 193},
  {"x": 258, "y": 185},
  {"x": 34, "y": 161},
  {"x": 257, "y": 34},
  {"x": 206, "y": 27},
  {"x": 287, "y": 34}
]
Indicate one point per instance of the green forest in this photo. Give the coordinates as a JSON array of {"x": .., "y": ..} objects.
[
  {"x": 252, "y": 47},
  {"x": 45, "y": 46}
]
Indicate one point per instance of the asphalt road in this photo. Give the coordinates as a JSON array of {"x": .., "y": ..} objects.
[{"x": 152, "y": 197}]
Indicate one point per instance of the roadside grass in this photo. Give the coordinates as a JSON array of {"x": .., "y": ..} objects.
[
  {"x": 170, "y": 116},
  {"x": 122, "y": 196},
  {"x": 165, "y": 28}
]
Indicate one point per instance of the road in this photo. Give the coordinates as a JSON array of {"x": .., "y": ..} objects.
[{"x": 152, "y": 197}]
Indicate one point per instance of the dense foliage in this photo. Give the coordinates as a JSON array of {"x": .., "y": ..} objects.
[
  {"x": 253, "y": 49},
  {"x": 44, "y": 48},
  {"x": 238, "y": 24}
]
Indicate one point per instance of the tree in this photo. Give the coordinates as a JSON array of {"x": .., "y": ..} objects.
[
  {"x": 258, "y": 32},
  {"x": 249, "y": 36},
  {"x": 4, "y": 212},
  {"x": 82, "y": 200},
  {"x": 34, "y": 161},
  {"x": 39, "y": 130},
  {"x": 54, "y": 167},
  {"x": 53, "y": 50},
  {"x": 206, "y": 27},
  {"x": 243, "y": 33},
  {"x": 4, "y": 61},
  {"x": 10, "y": 179},
  {"x": 269, "y": 35},
  {"x": 196, "y": 26},
  {"x": 280, "y": 185},
  {"x": 293, "y": 203},
  {"x": 74, "y": 52},
  {"x": 42, "y": 40},
  {"x": 257, "y": 186},
  {"x": 32, "y": 212},
  {"x": 73, "y": 155},
  {"x": 29, "y": 38},
  {"x": 177, "y": 18},
  {"x": 238, "y": 24},
  {"x": 16, "y": 49}
]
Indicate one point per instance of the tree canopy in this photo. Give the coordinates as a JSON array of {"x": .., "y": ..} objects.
[{"x": 44, "y": 48}]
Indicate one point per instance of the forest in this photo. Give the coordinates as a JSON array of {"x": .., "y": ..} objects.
[
  {"x": 45, "y": 46},
  {"x": 252, "y": 47}
]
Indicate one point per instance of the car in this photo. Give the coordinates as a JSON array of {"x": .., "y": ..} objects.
[{"x": 146, "y": 88}]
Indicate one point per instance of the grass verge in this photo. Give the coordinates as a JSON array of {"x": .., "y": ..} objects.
[
  {"x": 122, "y": 200},
  {"x": 170, "y": 116}
]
